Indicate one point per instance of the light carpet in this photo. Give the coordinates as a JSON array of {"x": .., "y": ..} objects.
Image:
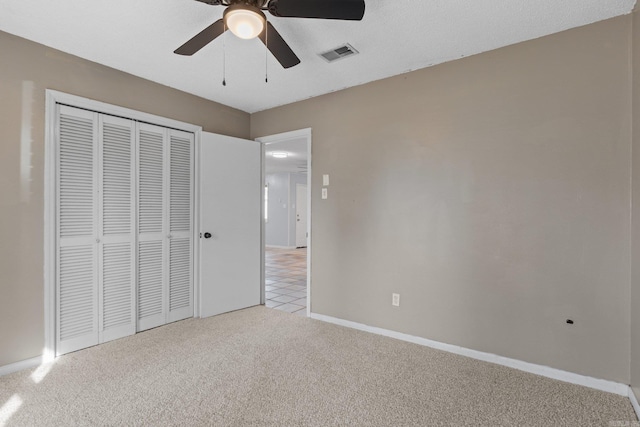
[{"x": 261, "y": 366}]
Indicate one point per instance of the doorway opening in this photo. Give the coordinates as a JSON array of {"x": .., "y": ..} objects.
[{"x": 286, "y": 168}]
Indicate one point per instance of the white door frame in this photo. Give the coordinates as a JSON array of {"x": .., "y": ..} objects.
[
  {"x": 54, "y": 97},
  {"x": 281, "y": 137}
]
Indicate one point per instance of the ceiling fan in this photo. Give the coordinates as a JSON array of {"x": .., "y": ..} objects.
[{"x": 246, "y": 20}]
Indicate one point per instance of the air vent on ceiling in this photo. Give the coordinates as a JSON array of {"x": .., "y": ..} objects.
[{"x": 339, "y": 53}]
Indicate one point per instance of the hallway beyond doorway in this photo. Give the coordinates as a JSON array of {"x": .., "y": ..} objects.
[{"x": 286, "y": 280}]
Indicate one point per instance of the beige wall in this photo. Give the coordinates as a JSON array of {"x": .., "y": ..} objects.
[
  {"x": 24, "y": 64},
  {"x": 635, "y": 208},
  {"x": 491, "y": 192}
]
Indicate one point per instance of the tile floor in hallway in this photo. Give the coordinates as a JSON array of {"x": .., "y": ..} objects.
[{"x": 286, "y": 280}]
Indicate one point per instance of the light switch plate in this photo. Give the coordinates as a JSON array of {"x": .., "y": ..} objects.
[
  {"x": 324, "y": 193},
  {"x": 325, "y": 180}
]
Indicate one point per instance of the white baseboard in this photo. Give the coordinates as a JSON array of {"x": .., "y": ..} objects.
[
  {"x": 19, "y": 366},
  {"x": 634, "y": 402},
  {"x": 545, "y": 371},
  {"x": 280, "y": 247}
]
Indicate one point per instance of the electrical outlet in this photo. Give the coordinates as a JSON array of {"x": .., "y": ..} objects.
[
  {"x": 324, "y": 194},
  {"x": 395, "y": 300}
]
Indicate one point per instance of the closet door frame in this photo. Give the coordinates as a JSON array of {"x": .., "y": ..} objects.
[{"x": 53, "y": 98}]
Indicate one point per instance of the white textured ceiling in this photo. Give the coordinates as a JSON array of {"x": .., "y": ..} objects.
[
  {"x": 296, "y": 160},
  {"x": 394, "y": 37}
]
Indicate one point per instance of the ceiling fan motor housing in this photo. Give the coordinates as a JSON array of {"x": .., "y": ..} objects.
[
  {"x": 255, "y": 3},
  {"x": 243, "y": 5}
]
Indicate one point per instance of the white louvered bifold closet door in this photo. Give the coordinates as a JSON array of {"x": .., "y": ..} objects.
[
  {"x": 180, "y": 225},
  {"x": 165, "y": 228},
  {"x": 116, "y": 285},
  {"x": 124, "y": 249},
  {"x": 77, "y": 230},
  {"x": 152, "y": 227},
  {"x": 95, "y": 254}
]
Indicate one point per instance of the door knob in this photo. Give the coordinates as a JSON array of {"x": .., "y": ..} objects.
[{"x": 207, "y": 235}]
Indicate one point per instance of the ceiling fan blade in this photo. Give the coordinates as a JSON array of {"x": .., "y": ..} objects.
[
  {"x": 352, "y": 10},
  {"x": 278, "y": 47},
  {"x": 201, "y": 39}
]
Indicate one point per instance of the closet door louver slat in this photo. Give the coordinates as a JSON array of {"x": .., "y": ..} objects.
[
  {"x": 150, "y": 182},
  {"x": 117, "y": 291},
  {"x": 181, "y": 180},
  {"x": 117, "y": 140},
  {"x": 77, "y": 308},
  {"x": 180, "y": 277},
  {"x": 150, "y": 269},
  {"x": 76, "y": 181}
]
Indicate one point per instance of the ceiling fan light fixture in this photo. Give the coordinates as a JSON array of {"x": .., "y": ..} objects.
[{"x": 245, "y": 21}]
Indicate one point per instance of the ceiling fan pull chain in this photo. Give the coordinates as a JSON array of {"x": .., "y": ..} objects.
[
  {"x": 266, "y": 55},
  {"x": 224, "y": 55}
]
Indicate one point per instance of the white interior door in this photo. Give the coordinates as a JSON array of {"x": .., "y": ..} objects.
[
  {"x": 301, "y": 216},
  {"x": 77, "y": 230},
  {"x": 116, "y": 220},
  {"x": 231, "y": 212},
  {"x": 165, "y": 187},
  {"x": 180, "y": 225},
  {"x": 152, "y": 227},
  {"x": 95, "y": 198}
]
